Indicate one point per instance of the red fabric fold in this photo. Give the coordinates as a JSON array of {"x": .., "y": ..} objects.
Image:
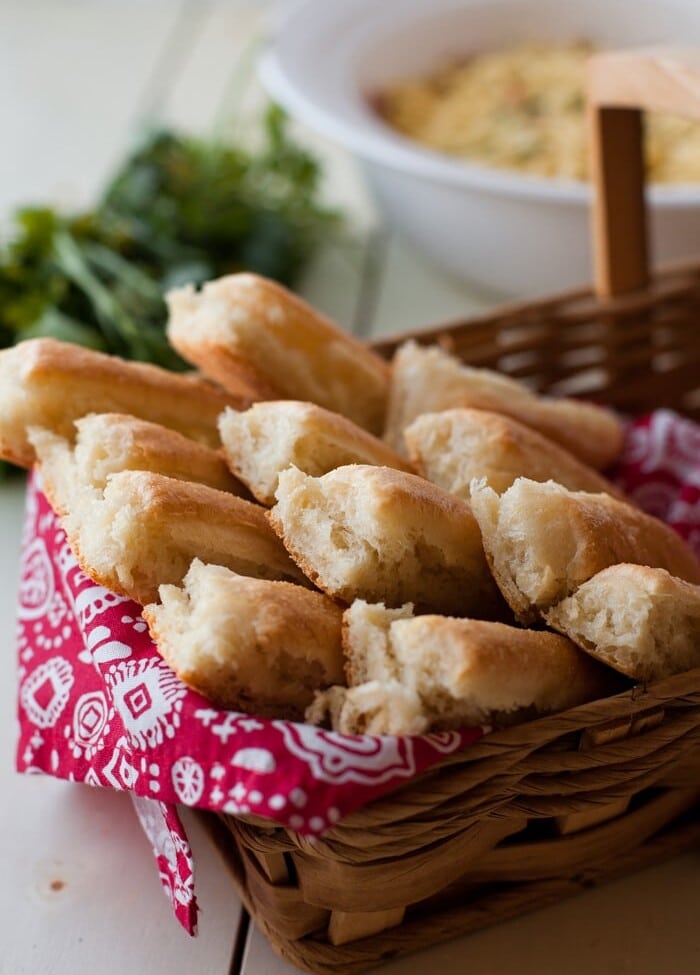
[{"x": 97, "y": 704}]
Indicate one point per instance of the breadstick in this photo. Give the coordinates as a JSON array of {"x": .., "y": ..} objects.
[
  {"x": 252, "y": 334},
  {"x": 145, "y": 529},
  {"x": 107, "y": 443},
  {"x": 425, "y": 379},
  {"x": 409, "y": 675},
  {"x": 641, "y": 621},
  {"x": 248, "y": 644},
  {"x": 453, "y": 447},
  {"x": 269, "y": 437},
  {"x": 543, "y": 541},
  {"x": 49, "y": 384},
  {"x": 383, "y": 535}
]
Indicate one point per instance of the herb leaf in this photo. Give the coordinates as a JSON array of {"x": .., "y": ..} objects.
[{"x": 180, "y": 209}]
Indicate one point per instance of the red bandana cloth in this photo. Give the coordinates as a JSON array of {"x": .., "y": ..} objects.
[{"x": 97, "y": 704}]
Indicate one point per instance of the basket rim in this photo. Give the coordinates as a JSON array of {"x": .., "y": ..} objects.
[
  {"x": 636, "y": 701},
  {"x": 677, "y": 273}
]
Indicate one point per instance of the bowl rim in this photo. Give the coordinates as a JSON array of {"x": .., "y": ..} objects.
[{"x": 373, "y": 140}]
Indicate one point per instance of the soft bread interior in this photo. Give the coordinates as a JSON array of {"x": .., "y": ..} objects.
[
  {"x": 453, "y": 673},
  {"x": 40, "y": 404},
  {"x": 543, "y": 541},
  {"x": 426, "y": 379},
  {"x": 641, "y": 621},
  {"x": 237, "y": 640},
  {"x": 61, "y": 481},
  {"x": 378, "y": 534},
  {"x": 374, "y": 708},
  {"x": 323, "y": 530},
  {"x": 455, "y": 446},
  {"x": 538, "y": 554},
  {"x": 369, "y": 652},
  {"x": 272, "y": 436}
]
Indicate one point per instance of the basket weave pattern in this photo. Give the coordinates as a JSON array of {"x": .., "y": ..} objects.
[
  {"x": 635, "y": 352},
  {"x": 524, "y": 817},
  {"x": 534, "y": 813}
]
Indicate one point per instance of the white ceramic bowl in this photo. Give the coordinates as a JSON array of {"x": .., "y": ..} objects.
[{"x": 515, "y": 234}]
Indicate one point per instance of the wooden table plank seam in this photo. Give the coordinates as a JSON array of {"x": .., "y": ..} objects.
[
  {"x": 240, "y": 943},
  {"x": 79, "y": 79}
]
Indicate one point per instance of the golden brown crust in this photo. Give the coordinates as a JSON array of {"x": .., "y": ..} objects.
[
  {"x": 408, "y": 675},
  {"x": 426, "y": 379},
  {"x": 269, "y": 437},
  {"x": 642, "y": 621},
  {"x": 543, "y": 542},
  {"x": 366, "y": 645},
  {"x": 106, "y": 443},
  {"x": 46, "y": 383},
  {"x": 501, "y": 669},
  {"x": 233, "y": 370},
  {"x": 453, "y": 447},
  {"x": 248, "y": 644},
  {"x": 152, "y": 447},
  {"x": 146, "y": 529},
  {"x": 248, "y": 332},
  {"x": 379, "y": 534}
]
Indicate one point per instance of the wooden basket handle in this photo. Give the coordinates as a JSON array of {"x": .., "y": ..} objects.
[{"x": 620, "y": 86}]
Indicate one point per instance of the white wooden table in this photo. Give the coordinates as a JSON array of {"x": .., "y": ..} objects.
[{"x": 78, "y": 887}]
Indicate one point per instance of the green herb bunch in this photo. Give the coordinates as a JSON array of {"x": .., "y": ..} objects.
[{"x": 180, "y": 210}]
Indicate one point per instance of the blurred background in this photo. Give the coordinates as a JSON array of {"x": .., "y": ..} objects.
[
  {"x": 137, "y": 134},
  {"x": 433, "y": 164},
  {"x": 84, "y": 82}
]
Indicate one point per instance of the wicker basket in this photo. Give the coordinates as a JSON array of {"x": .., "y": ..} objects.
[{"x": 534, "y": 813}]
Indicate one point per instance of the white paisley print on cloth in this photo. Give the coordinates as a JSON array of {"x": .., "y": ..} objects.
[
  {"x": 103, "y": 649},
  {"x": 687, "y": 513},
  {"x": 337, "y": 758},
  {"x": 45, "y": 692},
  {"x": 120, "y": 771},
  {"x": 36, "y": 587},
  {"x": 660, "y": 471},
  {"x": 667, "y": 443},
  {"x": 655, "y": 498},
  {"x": 163, "y": 827},
  {"x": 445, "y": 742},
  {"x": 148, "y": 698},
  {"x": 188, "y": 780},
  {"x": 93, "y": 601},
  {"x": 90, "y": 726}
]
